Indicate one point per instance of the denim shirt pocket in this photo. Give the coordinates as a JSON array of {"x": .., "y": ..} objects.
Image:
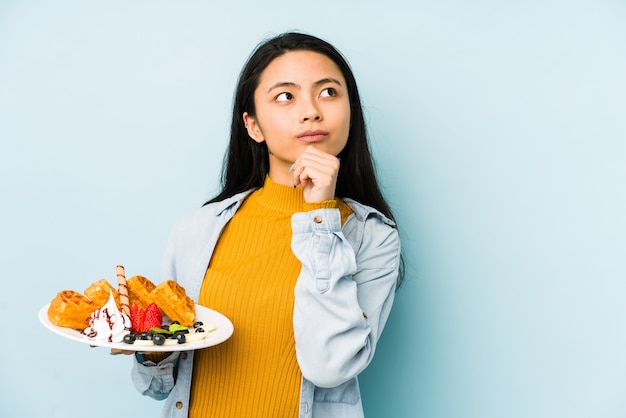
[{"x": 347, "y": 392}]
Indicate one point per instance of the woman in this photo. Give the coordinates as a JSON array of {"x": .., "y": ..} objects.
[{"x": 308, "y": 279}]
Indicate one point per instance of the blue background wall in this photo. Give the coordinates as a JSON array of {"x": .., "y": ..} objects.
[{"x": 500, "y": 133}]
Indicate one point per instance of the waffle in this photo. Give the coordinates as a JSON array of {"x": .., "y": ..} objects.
[
  {"x": 174, "y": 302},
  {"x": 70, "y": 309},
  {"x": 99, "y": 294},
  {"x": 139, "y": 289}
]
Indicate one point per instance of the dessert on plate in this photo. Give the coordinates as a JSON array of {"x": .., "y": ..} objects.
[{"x": 136, "y": 312}]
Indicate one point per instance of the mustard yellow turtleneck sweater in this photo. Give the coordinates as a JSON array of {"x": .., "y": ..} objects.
[{"x": 250, "y": 279}]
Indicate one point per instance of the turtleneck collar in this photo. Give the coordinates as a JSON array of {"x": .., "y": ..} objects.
[{"x": 280, "y": 198}]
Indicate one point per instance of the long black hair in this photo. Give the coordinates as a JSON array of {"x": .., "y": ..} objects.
[{"x": 246, "y": 163}]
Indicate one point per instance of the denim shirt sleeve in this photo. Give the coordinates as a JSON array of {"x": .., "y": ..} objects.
[
  {"x": 343, "y": 295},
  {"x": 155, "y": 380}
]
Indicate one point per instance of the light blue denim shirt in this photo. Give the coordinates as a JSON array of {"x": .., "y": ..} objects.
[{"x": 343, "y": 297}]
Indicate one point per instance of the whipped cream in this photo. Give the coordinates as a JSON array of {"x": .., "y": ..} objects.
[{"x": 108, "y": 323}]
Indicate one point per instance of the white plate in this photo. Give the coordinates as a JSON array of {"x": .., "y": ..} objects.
[{"x": 223, "y": 331}]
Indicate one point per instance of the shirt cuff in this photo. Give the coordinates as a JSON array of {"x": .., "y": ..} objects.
[{"x": 325, "y": 204}]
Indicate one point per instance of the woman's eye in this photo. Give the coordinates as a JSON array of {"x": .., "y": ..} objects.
[
  {"x": 329, "y": 92},
  {"x": 284, "y": 97}
]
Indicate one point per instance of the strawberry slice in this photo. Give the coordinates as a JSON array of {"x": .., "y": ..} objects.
[
  {"x": 135, "y": 317},
  {"x": 144, "y": 319},
  {"x": 153, "y": 317}
]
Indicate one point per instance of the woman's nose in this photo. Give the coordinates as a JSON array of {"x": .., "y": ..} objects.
[
  {"x": 310, "y": 112},
  {"x": 315, "y": 117}
]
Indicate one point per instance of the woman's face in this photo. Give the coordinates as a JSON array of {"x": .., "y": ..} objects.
[{"x": 301, "y": 100}]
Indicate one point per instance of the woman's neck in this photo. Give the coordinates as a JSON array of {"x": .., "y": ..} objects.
[{"x": 280, "y": 173}]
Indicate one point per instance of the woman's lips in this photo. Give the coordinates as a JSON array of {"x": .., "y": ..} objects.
[{"x": 313, "y": 136}]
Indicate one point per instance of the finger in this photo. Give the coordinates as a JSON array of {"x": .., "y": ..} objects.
[
  {"x": 318, "y": 163},
  {"x": 115, "y": 351},
  {"x": 317, "y": 166},
  {"x": 320, "y": 173}
]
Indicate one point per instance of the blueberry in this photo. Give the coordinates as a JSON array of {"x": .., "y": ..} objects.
[
  {"x": 198, "y": 324},
  {"x": 158, "y": 339},
  {"x": 180, "y": 337},
  {"x": 199, "y": 329},
  {"x": 129, "y": 338}
]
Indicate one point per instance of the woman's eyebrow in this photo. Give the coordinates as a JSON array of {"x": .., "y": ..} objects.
[
  {"x": 327, "y": 80},
  {"x": 282, "y": 84}
]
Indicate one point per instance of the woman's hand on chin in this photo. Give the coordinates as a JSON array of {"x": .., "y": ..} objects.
[{"x": 316, "y": 172}]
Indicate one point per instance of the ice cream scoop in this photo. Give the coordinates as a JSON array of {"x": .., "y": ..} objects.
[{"x": 108, "y": 323}]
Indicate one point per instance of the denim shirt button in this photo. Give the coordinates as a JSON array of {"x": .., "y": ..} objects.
[
  {"x": 179, "y": 405},
  {"x": 183, "y": 356},
  {"x": 317, "y": 219}
]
